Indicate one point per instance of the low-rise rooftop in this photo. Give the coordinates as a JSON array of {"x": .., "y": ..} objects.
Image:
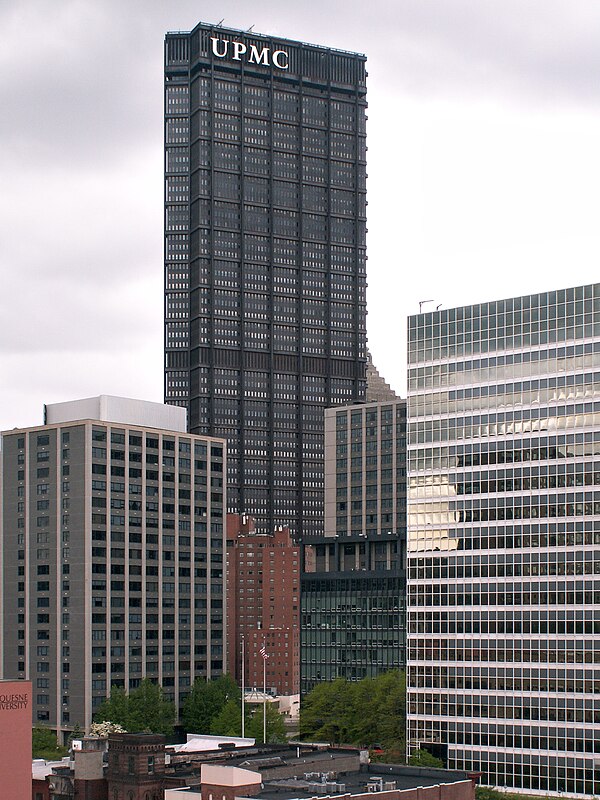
[{"x": 306, "y": 771}]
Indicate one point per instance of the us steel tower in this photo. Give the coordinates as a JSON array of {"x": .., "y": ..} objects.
[{"x": 265, "y": 256}]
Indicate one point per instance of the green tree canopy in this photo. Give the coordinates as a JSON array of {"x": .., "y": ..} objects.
[
  {"x": 228, "y": 721},
  {"x": 115, "y": 708},
  {"x": 76, "y": 733},
  {"x": 423, "y": 758},
  {"x": 145, "y": 709},
  {"x": 328, "y": 712},
  {"x": 360, "y": 713},
  {"x": 206, "y": 702},
  {"x": 44, "y": 744},
  {"x": 149, "y": 711},
  {"x": 275, "y": 725},
  {"x": 390, "y": 700}
]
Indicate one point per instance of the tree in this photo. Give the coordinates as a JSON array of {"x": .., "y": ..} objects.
[
  {"x": 326, "y": 712},
  {"x": 44, "y": 744},
  {"x": 228, "y": 722},
  {"x": 423, "y": 758},
  {"x": 114, "y": 709},
  {"x": 361, "y": 713},
  {"x": 145, "y": 709},
  {"x": 390, "y": 701},
  {"x": 275, "y": 725},
  {"x": 76, "y": 733},
  {"x": 206, "y": 701},
  {"x": 149, "y": 711}
]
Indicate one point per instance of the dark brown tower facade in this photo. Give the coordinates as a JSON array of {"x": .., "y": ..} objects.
[
  {"x": 265, "y": 256},
  {"x": 263, "y": 586}
]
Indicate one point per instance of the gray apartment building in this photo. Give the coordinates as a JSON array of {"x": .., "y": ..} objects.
[
  {"x": 504, "y": 539},
  {"x": 113, "y": 555},
  {"x": 265, "y": 256},
  {"x": 353, "y": 583}
]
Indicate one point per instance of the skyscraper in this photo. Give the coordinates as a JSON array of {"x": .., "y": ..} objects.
[
  {"x": 353, "y": 619},
  {"x": 113, "y": 555},
  {"x": 265, "y": 204},
  {"x": 504, "y": 539}
]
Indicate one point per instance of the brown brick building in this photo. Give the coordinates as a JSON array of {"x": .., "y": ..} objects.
[
  {"x": 136, "y": 766},
  {"x": 263, "y": 604}
]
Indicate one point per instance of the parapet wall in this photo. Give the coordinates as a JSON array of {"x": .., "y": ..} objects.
[{"x": 461, "y": 790}]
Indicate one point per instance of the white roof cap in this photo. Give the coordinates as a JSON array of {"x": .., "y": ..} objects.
[{"x": 119, "y": 410}]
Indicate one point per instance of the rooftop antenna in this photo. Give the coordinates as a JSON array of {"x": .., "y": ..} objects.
[
  {"x": 422, "y": 303},
  {"x": 218, "y": 25},
  {"x": 250, "y": 28},
  {"x": 437, "y": 308}
]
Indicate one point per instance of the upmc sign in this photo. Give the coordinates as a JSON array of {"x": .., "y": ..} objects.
[{"x": 223, "y": 48}]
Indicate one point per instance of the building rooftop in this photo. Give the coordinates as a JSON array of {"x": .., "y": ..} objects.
[
  {"x": 200, "y": 742},
  {"x": 349, "y": 784},
  {"x": 40, "y": 768},
  {"x": 119, "y": 410},
  {"x": 266, "y": 36},
  {"x": 308, "y": 770}
]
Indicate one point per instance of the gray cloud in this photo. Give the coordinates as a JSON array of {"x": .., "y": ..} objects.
[
  {"x": 545, "y": 52},
  {"x": 81, "y": 151}
]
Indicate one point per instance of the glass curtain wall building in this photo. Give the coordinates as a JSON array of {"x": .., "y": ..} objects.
[
  {"x": 353, "y": 587},
  {"x": 352, "y": 611},
  {"x": 264, "y": 256},
  {"x": 504, "y": 539}
]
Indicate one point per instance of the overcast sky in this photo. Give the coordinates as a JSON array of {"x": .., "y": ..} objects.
[{"x": 483, "y": 162}]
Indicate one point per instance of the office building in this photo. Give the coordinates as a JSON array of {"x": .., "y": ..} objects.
[
  {"x": 113, "y": 555},
  {"x": 265, "y": 256},
  {"x": 504, "y": 539},
  {"x": 263, "y": 606},
  {"x": 15, "y": 738},
  {"x": 353, "y": 581},
  {"x": 365, "y": 469}
]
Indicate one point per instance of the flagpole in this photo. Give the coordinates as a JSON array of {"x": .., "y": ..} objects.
[
  {"x": 243, "y": 684},
  {"x": 265, "y": 694}
]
